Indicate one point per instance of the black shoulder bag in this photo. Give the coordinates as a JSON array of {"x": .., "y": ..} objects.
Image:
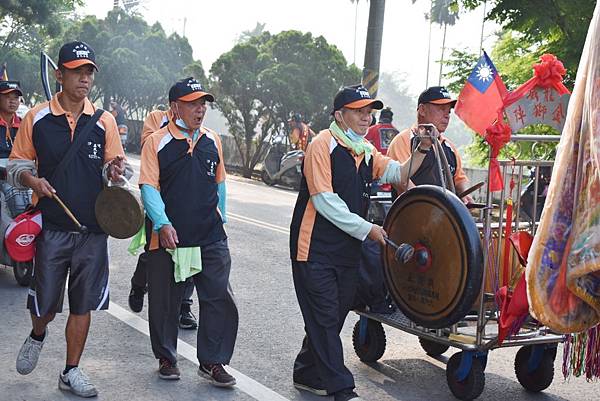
[{"x": 79, "y": 140}]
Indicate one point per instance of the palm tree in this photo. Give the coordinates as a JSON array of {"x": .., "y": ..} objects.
[{"x": 444, "y": 13}]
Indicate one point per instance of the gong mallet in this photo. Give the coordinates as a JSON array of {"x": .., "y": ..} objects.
[
  {"x": 405, "y": 253},
  {"x": 81, "y": 228}
]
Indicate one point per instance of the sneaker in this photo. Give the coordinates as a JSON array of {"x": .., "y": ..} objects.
[
  {"x": 78, "y": 383},
  {"x": 217, "y": 374},
  {"x": 310, "y": 388},
  {"x": 346, "y": 395},
  {"x": 187, "y": 320},
  {"x": 136, "y": 298},
  {"x": 168, "y": 370},
  {"x": 29, "y": 354}
]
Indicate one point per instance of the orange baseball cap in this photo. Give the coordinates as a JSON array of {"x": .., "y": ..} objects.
[{"x": 75, "y": 54}]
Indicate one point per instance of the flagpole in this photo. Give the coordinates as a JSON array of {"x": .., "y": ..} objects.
[{"x": 482, "y": 26}]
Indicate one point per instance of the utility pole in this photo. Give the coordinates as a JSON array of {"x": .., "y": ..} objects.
[{"x": 370, "y": 78}]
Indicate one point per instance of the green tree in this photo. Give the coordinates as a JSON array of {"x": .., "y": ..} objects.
[
  {"x": 261, "y": 82},
  {"x": 548, "y": 26},
  {"x": 25, "y": 28},
  {"x": 138, "y": 62}
]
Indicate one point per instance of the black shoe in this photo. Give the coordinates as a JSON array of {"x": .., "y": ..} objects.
[
  {"x": 217, "y": 374},
  {"x": 187, "y": 320},
  {"x": 346, "y": 395},
  {"x": 317, "y": 390},
  {"x": 168, "y": 370},
  {"x": 136, "y": 298}
]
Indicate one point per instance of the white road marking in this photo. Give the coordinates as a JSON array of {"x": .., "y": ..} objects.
[
  {"x": 248, "y": 385},
  {"x": 258, "y": 223}
]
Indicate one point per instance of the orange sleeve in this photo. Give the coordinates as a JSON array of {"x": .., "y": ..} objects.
[
  {"x": 152, "y": 124},
  {"x": 317, "y": 165},
  {"x": 459, "y": 176},
  {"x": 220, "y": 175},
  {"x": 150, "y": 170},
  {"x": 399, "y": 148},
  {"x": 380, "y": 163},
  {"x": 112, "y": 146},
  {"x": 23, "y": 145}
]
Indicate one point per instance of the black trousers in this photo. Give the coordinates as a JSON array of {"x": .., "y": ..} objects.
[
  {"x": 140, "y": 279},
  {"x": 326, "y": 294},
  {"x": 218, "y": 324}
]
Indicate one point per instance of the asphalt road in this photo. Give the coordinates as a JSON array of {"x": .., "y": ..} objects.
[{"x": 119, "y": 360}]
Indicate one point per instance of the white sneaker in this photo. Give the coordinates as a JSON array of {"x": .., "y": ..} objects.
[
  {"x": 29, "y": 354},
  {"x": 78, "y": 383}
]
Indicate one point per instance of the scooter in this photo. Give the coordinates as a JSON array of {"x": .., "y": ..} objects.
[
  {"x": 281, "y": 167},
  {"x": 13, "y": 202},
  {"x": 527, "y": 196}
]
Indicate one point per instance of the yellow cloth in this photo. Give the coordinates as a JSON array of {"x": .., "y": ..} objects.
[{"x": 188, "y": 261}]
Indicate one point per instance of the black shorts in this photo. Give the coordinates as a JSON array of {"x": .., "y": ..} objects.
[{"x": 81, "y": 257}]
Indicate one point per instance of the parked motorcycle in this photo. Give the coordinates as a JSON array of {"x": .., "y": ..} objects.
[
  {"x": 527, "y": 196},
  {"x": 282, "y": 167},
  {"x": 13, "y": 202}
]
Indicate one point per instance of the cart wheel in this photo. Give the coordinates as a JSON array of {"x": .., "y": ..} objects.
[
  {"x": 22, "y": 272},
  {"x": 471, "y": 386},
  {"x": 432, "y": 348},
  {"x": 535, "y": 378},
  {"x": 373, "y": 345},
  {"x": 266, "y": 179}
]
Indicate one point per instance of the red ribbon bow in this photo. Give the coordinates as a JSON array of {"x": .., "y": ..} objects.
[{"x": 496, "y": 135}]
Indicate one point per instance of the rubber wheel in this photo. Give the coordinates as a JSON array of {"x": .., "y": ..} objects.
[
  {"x": 265, "y": 177},
  {"x": 472, "y": 386},
  {"x": 375, "y": 342},
  {"x": 432, "y": 348},
  {"x": 22, "y": 272},
  {"x": 541, "y": 378}
]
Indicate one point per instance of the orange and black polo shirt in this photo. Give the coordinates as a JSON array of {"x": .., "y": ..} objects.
[
  {"x": 45, "y": 135},
  {"x": 186, "y": 173},
  {"x": 400, "y": 149},
  {"x": 8, "y": 132},
  {"x": 154, "y": 121},
  {"x": 329, "y": 166}
]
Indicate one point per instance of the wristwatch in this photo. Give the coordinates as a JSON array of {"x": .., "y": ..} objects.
[{"x": 422, "y": 150}]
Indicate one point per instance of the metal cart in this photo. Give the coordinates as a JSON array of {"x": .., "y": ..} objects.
[{"x": 477, "y": 332}]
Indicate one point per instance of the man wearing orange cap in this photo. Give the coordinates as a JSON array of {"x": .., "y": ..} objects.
[
  {"x": 67, "y": 147},
  {"x": 182, "y": 181},
  {"x": 327, "y": 229},
  {"x": 10, "y": 99},
  {"x": 434, "y": 107}
]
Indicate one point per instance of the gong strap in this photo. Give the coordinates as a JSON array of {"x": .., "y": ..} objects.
[{"x": 78, "y": 141}]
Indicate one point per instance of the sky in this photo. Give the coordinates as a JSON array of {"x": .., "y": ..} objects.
[{"x": 212, "y": 28}]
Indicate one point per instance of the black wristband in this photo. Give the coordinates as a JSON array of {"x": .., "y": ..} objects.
[{"x": 422, "y": 151}]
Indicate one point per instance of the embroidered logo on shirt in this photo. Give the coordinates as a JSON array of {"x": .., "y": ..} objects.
[
  {"x": 211, "y": 167},
  {"x": 95, "y": 148}
]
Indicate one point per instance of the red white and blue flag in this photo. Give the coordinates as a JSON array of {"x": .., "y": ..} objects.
[{"x": 482, "y": 96}]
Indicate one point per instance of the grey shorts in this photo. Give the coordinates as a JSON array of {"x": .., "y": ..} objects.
[{"x": 83, "y": 258}]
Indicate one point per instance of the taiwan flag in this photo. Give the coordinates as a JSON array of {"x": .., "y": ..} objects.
[{"x": 482, "y": 96}]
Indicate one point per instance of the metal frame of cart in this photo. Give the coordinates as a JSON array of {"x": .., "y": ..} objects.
[{"x": 475, "y": 335}]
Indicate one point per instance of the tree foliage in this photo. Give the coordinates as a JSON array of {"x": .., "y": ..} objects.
[
  {"x": 261, "y": 82},
  {"x": 549, "y": 26},
  {"x": 530, "y": 29},
  {"x": 138, "y": 62}
]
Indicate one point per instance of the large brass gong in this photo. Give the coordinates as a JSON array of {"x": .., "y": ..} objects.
[
  {"x": 438, "y": 285},
  {"x": 119, "y": 212}
]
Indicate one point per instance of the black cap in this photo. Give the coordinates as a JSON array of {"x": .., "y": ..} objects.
[
  {"x": 436, "y": 95},
  {"x": 10, "y": 86},
  {"x": 386, "y": 115},
  {"x": 75, "y": 54},
  {"x": 355, "y": 97},
  {"x": 188, "y": 90}
]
